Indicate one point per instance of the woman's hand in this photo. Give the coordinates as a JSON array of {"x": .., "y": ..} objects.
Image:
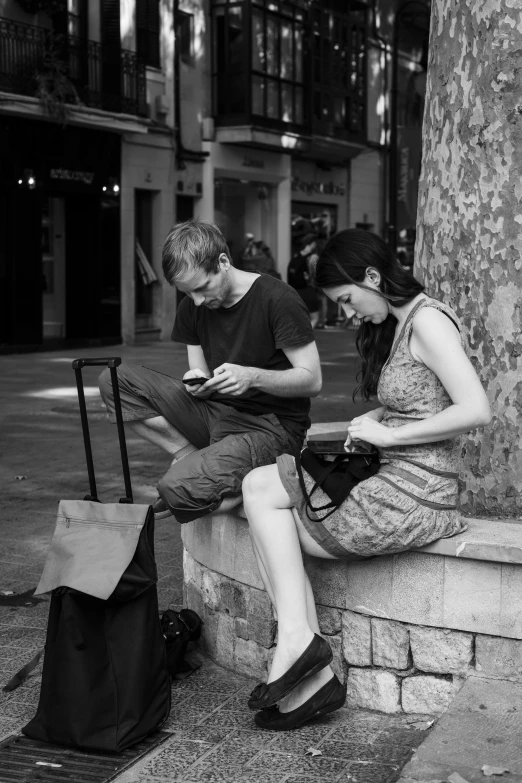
[{"x": 367, "y": 428}]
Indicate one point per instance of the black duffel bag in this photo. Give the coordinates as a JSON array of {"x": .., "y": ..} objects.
[{"x": 105, "y": 683}]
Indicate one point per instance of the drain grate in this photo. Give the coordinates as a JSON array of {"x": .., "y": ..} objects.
[{"x": 24, "y": 759}]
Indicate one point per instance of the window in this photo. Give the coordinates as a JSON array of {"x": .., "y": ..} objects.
[
  {"x": 185, "y": 37},
  {"x": 339, "y": 67},
  {"x": 76, "y": 19},
  {"x": 258, "y": 59},
  {"x": 277, "y": 61},
  {"x": 148, "y": 31},
  {"x": 291, "y": 63}
]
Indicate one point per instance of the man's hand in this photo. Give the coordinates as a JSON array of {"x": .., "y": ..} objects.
[
  {"x": 231, "y": 379},
  {"x": 198, "y": 390}
]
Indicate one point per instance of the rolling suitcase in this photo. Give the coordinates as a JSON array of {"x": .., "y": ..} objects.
[{"x": 105, "y": 683}]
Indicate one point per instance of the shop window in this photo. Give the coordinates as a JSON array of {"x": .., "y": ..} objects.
[
  {"x": 148, "y": 31},
  {"x": 185, "y": 37},
  {"x": 245, "y": 211}
]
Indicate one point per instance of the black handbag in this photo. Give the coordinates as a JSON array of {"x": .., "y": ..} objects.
[
  {"x": 180, "y": 628},
  {"x": 335, "y": 477}
]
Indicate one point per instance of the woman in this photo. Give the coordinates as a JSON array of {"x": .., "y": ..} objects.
[{"x": 414, "y": 362}]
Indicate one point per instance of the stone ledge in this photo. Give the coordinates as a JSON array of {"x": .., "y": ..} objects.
[
  {"x": 493, "y": 540},
  {"x": 389, "y": 666},
  {"x": 425, "y": 587},
  {"x": 485, "y": 539}
]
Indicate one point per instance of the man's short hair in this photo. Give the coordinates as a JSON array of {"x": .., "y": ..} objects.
[{"x": 191, "y": 246}]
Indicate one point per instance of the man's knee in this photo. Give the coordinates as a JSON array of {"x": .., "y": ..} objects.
[{"x": 105, "y": 385}]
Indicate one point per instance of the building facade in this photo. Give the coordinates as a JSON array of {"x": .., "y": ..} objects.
[
  {"x": 290, "y": 104},
  {"x": 87, "y": 167},
  {"x": 120, "y": 117}
]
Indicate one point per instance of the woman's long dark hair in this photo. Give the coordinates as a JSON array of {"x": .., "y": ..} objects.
[{"x": 344, "y": 260}]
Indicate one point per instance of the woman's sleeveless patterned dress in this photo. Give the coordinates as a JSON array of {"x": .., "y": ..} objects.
[{"x": 412, "y": 500}]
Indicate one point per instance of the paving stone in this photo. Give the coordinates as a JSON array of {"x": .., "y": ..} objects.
[
  {"x": 231, "y": 720},
  {"x": 385, "y": 754},
  {"x": 203, "y": 771},
  {"x": 210, "y": 734},
  {"x": 390, "y": 644},
  {"x": 369, "y": 773},
  {"x": 440, "y": 650},
  {"x": 323, "y": 767},
  {"x": 299, "y": 740},
  {"x": 357, "y": 639},
  {"x": 26, "y": 618},
  {"x": 208, "y": 773},
  {"x": 200, "y": 681},
  {"x": 240, "y": 748},
  {"x": 176, "y": 758}
]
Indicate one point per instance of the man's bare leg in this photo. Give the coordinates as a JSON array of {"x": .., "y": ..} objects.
[{"x": 163, "y": 434}]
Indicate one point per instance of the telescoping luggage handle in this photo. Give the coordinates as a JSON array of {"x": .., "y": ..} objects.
[{"x": 111, "y": 363}]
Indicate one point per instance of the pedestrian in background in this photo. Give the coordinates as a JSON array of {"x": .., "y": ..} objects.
[{"x": 302, "y": 265}]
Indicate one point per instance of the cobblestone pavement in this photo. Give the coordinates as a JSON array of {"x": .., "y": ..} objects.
[{"x": 213, "y": 734}]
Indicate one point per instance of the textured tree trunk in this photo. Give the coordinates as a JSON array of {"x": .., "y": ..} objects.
[{"x": 469, "y": 240}]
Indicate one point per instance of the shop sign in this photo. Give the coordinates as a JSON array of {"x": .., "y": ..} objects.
[
  {"x": 253, "y": 163},
  {"x": 311, "y": 187},
  {"x": 71, "y": 175}
]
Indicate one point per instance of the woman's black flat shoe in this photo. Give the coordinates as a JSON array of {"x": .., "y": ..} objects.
[
  {"x": 327, "y": 699},
  {"x": 316, "y": 656}
]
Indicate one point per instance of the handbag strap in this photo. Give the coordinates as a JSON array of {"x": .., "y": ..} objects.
[
  {"x": 308, "y": 496},
  {"x": 18, "y": 678}
]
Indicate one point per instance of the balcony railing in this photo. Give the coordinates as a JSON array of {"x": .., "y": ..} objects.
[{"x": 102, "y": 77}]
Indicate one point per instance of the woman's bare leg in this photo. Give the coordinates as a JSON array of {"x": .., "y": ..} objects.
[
  {"x": 264, "y": 576},
  {"x": 278, "y": 542}
]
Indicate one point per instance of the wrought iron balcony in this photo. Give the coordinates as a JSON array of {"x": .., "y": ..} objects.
[{"x": 76, "y": 70}]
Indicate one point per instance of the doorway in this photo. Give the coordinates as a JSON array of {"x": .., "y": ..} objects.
[
  {"x": 53, "y": 268},
  {"x": 144, "y": 298}
]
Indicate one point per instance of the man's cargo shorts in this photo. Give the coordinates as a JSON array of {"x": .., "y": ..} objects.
[{"x": 231, "y": 443}]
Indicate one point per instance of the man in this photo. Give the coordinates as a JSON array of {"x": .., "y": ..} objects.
[{"x": 250, "y": 335}]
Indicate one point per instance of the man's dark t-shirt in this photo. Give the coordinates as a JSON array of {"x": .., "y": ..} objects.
[{"x": 270, "y": 316}]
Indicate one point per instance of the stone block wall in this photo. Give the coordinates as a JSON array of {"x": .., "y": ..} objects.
[{"x": 390, "y": 666}]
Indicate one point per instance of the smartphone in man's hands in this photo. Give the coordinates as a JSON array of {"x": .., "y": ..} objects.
[{"x": 195, "y": 381}]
